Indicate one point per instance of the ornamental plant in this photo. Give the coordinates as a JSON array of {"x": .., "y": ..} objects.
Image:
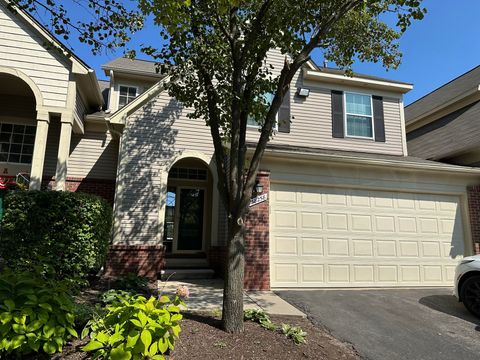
[
  {"x": 135, "y": 327},
  {"x": 36, "y": 314},
  {"x": 66, "y": 231}
]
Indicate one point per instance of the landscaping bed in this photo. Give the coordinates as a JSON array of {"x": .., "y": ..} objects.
[{"x": 202, "y": 337}]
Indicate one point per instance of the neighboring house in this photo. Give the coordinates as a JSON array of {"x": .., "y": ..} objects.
[
  {"x": 444, "y": 126},
  {"x": 343, "y": 203}
]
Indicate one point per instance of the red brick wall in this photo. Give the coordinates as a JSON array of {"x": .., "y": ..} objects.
[
  {"x": 144, "y": 260},
  {"x": 101, "y": 187},
  {"x": 217, "y": 259},
  {"x": 257, "y": 258},
  {"x": 474, "y": 209}
]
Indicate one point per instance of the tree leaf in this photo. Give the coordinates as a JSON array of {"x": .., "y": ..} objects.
[
  {"x": 50, "y": 347},
  {"x": 34, "y": 325},
  {"x": 46, "y": 306},
  {"x": 132, "y": 338}
]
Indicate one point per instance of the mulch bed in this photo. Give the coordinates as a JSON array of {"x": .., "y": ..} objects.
[{"x": 202, "y": 338}]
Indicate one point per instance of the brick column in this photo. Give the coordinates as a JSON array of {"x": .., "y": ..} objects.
[
  {"x": 474, "y": 210},
  {"x": 257, "y": 258},
  {"x": 144, "y": 260}
]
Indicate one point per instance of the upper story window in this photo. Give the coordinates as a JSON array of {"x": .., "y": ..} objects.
[
  {"x": 16, "y": 143},
  {"x": 252, "y": 122},
  {"x": 126, "y": 95},
  {"x": 358, "y": 115}
]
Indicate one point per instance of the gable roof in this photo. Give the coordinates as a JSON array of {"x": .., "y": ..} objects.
[
  {"x": 452, "y": 92},
  {"x": 78, "y": 65},
  {"x": 133, "y": 66}
]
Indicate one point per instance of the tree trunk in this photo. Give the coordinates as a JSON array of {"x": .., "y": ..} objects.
[{"x": 232, "y": 315}]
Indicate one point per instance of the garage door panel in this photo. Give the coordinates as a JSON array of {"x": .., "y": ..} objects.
[{"x": 346, "y": 237}]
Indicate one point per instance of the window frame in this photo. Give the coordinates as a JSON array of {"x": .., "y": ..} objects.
[
  {"x": 119, "y": 94},
  {"x": 21, "y": 153},
  {"x": 345, "y": 115},
  {"x": 257, "y": 126}
]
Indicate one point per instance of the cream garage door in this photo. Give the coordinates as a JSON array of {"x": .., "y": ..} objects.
[{"x": 329, "y": 237}]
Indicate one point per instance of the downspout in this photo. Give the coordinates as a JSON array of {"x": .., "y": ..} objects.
[{"x": 110, "y": 92}]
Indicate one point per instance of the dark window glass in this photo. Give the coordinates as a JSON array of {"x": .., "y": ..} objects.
[{"x": 16, "y": 147}]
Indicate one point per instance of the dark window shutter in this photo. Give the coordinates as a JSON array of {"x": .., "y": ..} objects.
[
  {"x": 378, "y": 118},
  {"x": 284, "y": 115},
  {"x": 337, "y": 114}
]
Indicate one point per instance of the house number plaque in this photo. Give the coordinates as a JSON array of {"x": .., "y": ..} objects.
[{"x": 258, "y": 199}]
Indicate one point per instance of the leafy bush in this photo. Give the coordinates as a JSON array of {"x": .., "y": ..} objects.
[
  {"x": 69, "y": 231},
  {"x": 259, "y": 316},
  {"x": 113, "y": 295},
  {"x": 295, "y": 333},
  {"x": 134, "y": 327},
  {"x": 35, "y": 314},
  {"x": 132, "y": 282}
]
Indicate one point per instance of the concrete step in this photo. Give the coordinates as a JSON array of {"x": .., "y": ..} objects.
[
  {"x": 182, "y": 263},
  {"x": 175, "y": 274}
]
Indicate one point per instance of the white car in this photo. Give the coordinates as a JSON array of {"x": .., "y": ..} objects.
[{"x": 467, "y": 283}]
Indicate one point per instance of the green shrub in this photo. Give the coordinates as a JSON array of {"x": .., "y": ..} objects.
[
  {"x": 134, "y": 327},
  {"x": 259, "y": 316},
  {"x": 132, "y": 282},
  {"x": 295, "y": 333},
  {"x": 68, "y": 231},
  {"x": 113, "y": 295},
  {"x": 36, "y": 315}
]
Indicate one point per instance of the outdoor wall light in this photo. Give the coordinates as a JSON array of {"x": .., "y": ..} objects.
[
  {"x": 258, "y": 188},
  {"x": 303, "y": 92}
]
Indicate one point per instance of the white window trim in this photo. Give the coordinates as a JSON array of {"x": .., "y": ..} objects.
[
  {"x": 345, "y": 116},
  {"x": 127, "y": 86}
]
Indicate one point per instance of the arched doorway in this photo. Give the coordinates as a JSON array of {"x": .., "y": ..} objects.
[
  {"x": 187, "y": 225},
  {"x": 17, "y": 124}
]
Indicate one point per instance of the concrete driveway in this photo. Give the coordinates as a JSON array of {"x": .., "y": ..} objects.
[{"x": 394, "y": 324}]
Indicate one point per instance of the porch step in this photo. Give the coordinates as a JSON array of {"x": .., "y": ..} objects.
[
  {"x": 184, "y": 263},
  {"x": 187, "y": 274}
]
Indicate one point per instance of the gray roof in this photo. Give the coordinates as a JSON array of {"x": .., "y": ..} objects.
[
  {"x": 354, "y": 154},
  {"x": 452, "y": 134},
  {"x": 104, "y": 89},
  {"x": 133, "y": 66},
  {"x": 443, "y": 94},
  {"x": 336, "y": 71}
]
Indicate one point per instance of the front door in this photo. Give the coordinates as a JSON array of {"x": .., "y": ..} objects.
[
  {"x": 190, "y": 219},
  {"x": 184, "y": 220}
]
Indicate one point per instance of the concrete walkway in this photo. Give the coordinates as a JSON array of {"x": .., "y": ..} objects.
[{"x": 207, "y": 296}]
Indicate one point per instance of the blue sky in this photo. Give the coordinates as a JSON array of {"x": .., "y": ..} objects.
[{"x": 444, "y": 45}]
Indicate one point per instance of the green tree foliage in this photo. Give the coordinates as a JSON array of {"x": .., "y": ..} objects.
[
  {"x": 68, "y": 232},
  {"x": 216, "y": 54}
]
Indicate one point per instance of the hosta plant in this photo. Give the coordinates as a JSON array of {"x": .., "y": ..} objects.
[
  {"x": 135, "y": 327},
  {"x": 36, "y": 314}
]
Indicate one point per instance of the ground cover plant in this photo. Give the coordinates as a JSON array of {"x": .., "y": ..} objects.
[{"x": 36, "y": 314}]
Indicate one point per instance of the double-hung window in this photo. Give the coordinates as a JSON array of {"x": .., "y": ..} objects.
[
  {"x": 252, "y": 121},
  {"x": 358, "y": 116},
  {"x": 127, "y": 94}
]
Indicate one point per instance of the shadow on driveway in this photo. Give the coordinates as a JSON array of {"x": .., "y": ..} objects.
[{"x": 448, "y": 304}]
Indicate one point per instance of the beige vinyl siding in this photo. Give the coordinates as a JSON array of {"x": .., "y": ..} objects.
[
  {"x": 80, "y": 108},
  {"x": 23, "y": 49},
  {"x": 93, "y": 155},
  {"x": 51, "y": 151},
  {"x": 160, "y": 129},
  {"x": 311, "y": 126}
]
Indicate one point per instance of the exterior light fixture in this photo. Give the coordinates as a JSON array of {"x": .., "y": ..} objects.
[
  {"x": 303, "y": 92},
  {"x": 258, "y": 187}
]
